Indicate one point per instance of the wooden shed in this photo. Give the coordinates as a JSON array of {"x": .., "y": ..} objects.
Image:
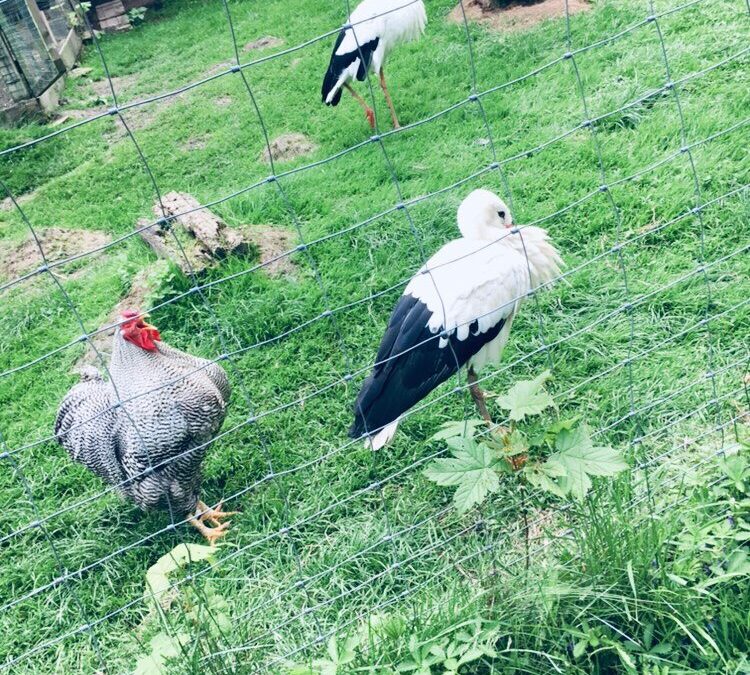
[{"x": 38, "y": 44}]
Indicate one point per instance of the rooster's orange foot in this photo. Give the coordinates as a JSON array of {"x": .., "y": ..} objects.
[{"x": 213, "y": 516}]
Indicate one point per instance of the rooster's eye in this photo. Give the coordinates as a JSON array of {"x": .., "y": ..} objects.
[{"x": 501, "y": 214}]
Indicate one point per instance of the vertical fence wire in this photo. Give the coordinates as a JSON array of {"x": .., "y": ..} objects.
[{"x": 698, "y": 212}]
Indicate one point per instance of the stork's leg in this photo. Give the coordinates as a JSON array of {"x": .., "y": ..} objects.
[
  {"x": 369, "y": 112},
  {"x": 215, "y": 515},
  {"x": 516, "y": 461},
  {"x": 479, "y": 398},
  {"x": 388, "y": 100}
]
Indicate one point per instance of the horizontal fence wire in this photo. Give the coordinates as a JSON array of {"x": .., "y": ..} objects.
[{"x": 633, "y": 425}]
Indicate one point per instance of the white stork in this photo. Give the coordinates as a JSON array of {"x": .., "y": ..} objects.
[
  {"x": 456, "y": 311},
  {"x": 374, "y": 28}
]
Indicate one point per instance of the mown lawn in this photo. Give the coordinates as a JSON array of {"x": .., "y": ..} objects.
[{"x": 625, "y": 333}]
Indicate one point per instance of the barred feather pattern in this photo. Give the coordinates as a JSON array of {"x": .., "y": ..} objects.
[{"x": 174, "y": 404}]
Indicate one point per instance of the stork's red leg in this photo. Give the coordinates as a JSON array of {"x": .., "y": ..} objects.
[
  {"x": 479, "y": 398},
  {"x": 369, "y": 112},
  {"x": 388, "y": 100}
]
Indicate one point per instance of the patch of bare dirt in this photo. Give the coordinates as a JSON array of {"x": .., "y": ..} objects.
[
  {"x": 223, "y": 101},
  {"x": 218, "y": 68},
  {"x": 271, "y": 243},
  {"x": 516, "y": 14},
  {"x": 136, "y": 118},
  {"x": 194, "y": 144},
  {"x": 263, "y": 43},
  {"x": 56, "y": 243},
  {"x": 121, "y": 84},
  {"x": 7, "y": 203},
  {"x": 141, "y": 287},
  {"x": 288, "y": 147},
  {"x": 140, "y": 117}
]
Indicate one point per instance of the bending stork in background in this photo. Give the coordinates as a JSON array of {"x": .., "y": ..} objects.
[
  {"x": 375, "y": 27},
  {"x": 467, "y": 294}
]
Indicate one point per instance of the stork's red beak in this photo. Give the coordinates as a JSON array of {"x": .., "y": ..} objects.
[{"x": 137, "y": 331}]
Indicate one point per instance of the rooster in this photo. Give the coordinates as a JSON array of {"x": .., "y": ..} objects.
[{"x": 150, "y": 446}]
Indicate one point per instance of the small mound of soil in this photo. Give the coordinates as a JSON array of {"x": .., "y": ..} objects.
[
  {"x": 56, "y": 243},
  {"x": 272, "y": 242},
  {"x": 223, "y": 101},
  {"x": 288, "y": 147},
  {"x": 263, "y": 43},
  {"x": 516, "y": 14}
]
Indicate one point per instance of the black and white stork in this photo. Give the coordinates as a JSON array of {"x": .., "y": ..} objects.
[
  {"x": 456, "y": 311},
  {"x": 374, "y": 28}
]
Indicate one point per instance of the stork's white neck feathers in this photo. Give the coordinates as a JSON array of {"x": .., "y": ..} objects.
[{"x": 483, "y": 216}]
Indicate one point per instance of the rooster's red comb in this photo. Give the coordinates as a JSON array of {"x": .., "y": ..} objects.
[{"x": 137, "y": 331}]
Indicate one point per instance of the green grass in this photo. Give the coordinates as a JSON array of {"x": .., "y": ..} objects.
[{"x": 92, "y": 178}]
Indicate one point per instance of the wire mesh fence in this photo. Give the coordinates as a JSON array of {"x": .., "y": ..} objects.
[{"x": 354, "y": 542}]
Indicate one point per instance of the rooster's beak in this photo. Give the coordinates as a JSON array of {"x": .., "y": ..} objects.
[{"x": 145, "y": 323}]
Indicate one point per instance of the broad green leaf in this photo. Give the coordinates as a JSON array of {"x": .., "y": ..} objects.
[
  {"x": 735, "y": 468},
  {"x": 301, "y": 670},
  {"x": 163, "y": 647},
  {"x": 579, "y": 459},
  {"x": 625, "y": 657},
  {"x": 557, "y": 427},
  {"x": 475, "y": 488},
  {"x": 325, "y": 667},
  {"x": 517, "y": 443},
  {"x": 452, "y": 429},
  {"x": 157, "y": 577},
  {"x": 333, "y": 648},
  {"x": 663, "y": 648},
  {"x": 471, "y": 470},
  {"x": 348, "y": 652},
  {"x": 543, "y": 476},
  {"x": 527, "y": 397},
  {"x": 437, "y": 650},
  {"x": 738, "y": 562},
  {"x": 472, "y": 654}
]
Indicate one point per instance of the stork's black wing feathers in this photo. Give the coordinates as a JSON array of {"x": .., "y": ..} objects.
[
  {"x": 410, "y": 364},
  {"x": 340, "y": 62}
]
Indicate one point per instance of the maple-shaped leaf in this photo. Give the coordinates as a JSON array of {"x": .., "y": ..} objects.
[
  {"x": 472, "y": 469},
  {"x": 163, "y": 647},
  {"x": 577, "y": 458},
  {"x": 544, "y": 476},
  {"x": 157, "y": 576},
  {"x": 517, "y": 443},
  {"x": 453, "y": 429},
  {"x": 527, "y": 397}
]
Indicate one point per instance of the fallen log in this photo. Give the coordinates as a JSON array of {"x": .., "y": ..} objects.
[{"x": 190, "y": 236}]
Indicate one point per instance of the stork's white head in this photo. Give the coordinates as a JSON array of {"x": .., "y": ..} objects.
[{"x": 483, "y": 215}]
